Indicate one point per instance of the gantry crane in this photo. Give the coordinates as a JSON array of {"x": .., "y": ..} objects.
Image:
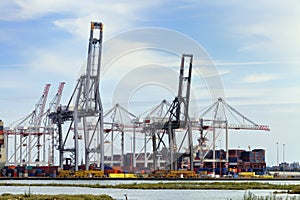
[
  {"x": 28, "y": 131},
  {"x": 49, "y": 126},
  {"x": 221, "y": 113},
  {"x": 87, "y": 116},
  {"x": 153, "y": 122},
  {"x": 117, "y": 121},
  {"x": 177, "y": 117}
]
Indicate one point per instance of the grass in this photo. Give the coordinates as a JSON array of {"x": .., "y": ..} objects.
[
  {"x": 282, "y": 188},
  {"x": 179, "y": 185},
  {"x": 293, "y": 189},
  {"x": 7, "y": 196},
  {"x": 250, "y": 196}
]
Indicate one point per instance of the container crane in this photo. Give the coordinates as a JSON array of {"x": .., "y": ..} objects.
[
  {"x": 87, "y": 112},
  {"x": 117, "y": 121},
  {"x": 221, "y": 113},
  {"x": 50, "y": 129},
  {"x": 29, "y": 130},
  {"x": 244, "y": 123},
  {"x": 177, "y": 117}
]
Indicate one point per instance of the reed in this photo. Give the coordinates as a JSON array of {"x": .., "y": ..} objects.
[
  {"x": 7, "y": 196},
  {"x": 180, "y": 185},
  {"x": 250, "y": 196}
]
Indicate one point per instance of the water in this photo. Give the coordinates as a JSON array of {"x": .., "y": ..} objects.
[
  {"x": 132, "y": 194},
  {"x": 135, "y": 194}
]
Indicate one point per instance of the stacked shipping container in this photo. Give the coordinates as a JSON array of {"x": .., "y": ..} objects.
[{"x": 239, "y": 161}]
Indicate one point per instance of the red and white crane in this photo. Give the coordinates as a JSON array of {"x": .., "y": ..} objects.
[
  {"x": 217, "y": 117},
  {"x": 28, "y": 131},
  {"x": 50, "y": 127}
]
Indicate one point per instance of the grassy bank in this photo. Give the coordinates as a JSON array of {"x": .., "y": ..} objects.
[
  {"x": 281, "y": 188},
  {"x": 250, "y": 196},
  {"x": 7, "y": 196},
  {"x": 180, "y": 186}
]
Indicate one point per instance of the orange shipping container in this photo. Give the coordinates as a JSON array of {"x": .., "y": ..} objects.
[{"x": 11, "y": 167}]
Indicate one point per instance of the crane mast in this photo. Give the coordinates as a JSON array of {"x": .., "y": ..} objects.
[
  {"x": 87, "y": 116},
  {"x": 88, "y": 103},
  {"x": 37, "y": 118},
  {"x": 177, "y": 117},
  {"x": 50, "y": 129}
]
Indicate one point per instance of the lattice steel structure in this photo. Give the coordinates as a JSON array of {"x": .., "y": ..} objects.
[
  {"x": 177, "y": 117},
  {"x": 85, "y": 115},
  {"x": 27, "y": 134},
  {"x": 218, "y": 117}
]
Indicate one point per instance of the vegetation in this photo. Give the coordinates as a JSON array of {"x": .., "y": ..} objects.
[
  {"x": 291, "y": 189},
  {"x": 250, "y": 196},
  {"x": 181, "y": 185},
  {"x": 7, "y": 196},
  {"x": 284, "y": 191}
]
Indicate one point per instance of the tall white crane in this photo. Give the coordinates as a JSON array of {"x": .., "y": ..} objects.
[{"x": 86, "y": 119}]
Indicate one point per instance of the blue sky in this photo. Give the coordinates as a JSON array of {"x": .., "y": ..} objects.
[{"x": 254, "y": 46}]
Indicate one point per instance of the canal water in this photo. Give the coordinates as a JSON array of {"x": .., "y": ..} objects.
[{"x": 132, "y": 194}]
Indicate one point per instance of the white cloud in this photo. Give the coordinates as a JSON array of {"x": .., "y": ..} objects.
[
  {"x": 55, "y": 62},
  {"x": 232, "y": 63},
  {"x": 266, "y": 27},
  {"x": 18, "y": 10},
  {"x": 117, "y": 15},
  {"x": 74, "y": 18},
  {"x": 272, "y": 27},
  {"x": 236, "y": 63},
  {"x": 254, "y": 96},
  {"x": 259, "y": 78}
]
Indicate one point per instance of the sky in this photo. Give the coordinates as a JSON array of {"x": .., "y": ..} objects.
[{"x": 250, "y": 49}]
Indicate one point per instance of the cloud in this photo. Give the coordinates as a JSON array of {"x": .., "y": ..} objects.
[
  {"x": 236, "y": 63},
  {"x": 232, "y": 63},
  {"x": 47, "y": 61},
  {"x": 242, "y": 95},
  {"x": 59, "y": 56},
  {"x": 264, "y": 28},
  {"x": 73, "y": 16},
  {"x": 272, "y": 27},
  {"x": 20, "y": 10},
  {"x": 259, "y": 78}
]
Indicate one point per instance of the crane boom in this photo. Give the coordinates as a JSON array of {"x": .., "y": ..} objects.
[
  {"x": 57, "y": 98},
  {"x": 221, "y": 103},
  {"x": 239, "y": 127},
  {"x": 40, "y": 107}
]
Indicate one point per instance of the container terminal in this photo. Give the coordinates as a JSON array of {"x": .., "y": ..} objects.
[{"x": 79, "y": 139}]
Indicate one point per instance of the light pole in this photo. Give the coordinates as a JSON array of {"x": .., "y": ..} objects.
[
  {"x": 220, "y": 158},
  {"x": 277, "y": 156},
  {"x": 283, "y": 156},
  {"x": 131, "y": 153}
]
